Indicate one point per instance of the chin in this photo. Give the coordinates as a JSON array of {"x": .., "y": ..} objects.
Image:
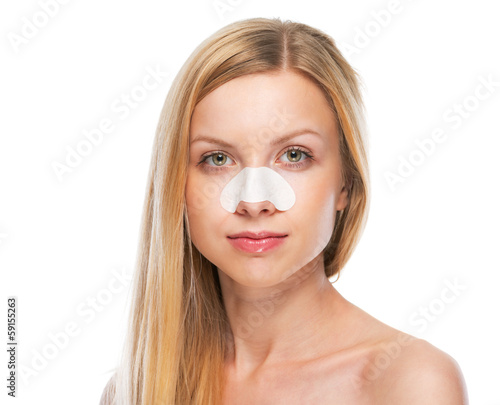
[{"x": 254, "y": 276}]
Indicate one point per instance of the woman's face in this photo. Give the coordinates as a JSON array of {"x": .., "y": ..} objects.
[{"x": 245, "y": 118}]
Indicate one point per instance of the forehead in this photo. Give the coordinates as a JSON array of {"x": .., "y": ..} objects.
[{"x": 272, "y": 102}]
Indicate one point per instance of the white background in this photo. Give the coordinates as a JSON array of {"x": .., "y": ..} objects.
[{"x": 63, "y": 242}]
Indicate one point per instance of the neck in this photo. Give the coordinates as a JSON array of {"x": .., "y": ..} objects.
[{"x": 287, "y": 323}]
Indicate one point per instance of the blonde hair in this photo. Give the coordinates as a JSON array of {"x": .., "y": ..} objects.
[{"x": 178, "y": 330}]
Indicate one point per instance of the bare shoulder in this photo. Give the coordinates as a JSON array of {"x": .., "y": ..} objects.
[
  {"x": 422, "y": 373},
  {"x": 107, "y": 397}
]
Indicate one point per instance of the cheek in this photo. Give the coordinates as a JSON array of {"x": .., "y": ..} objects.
[
  {"x": 315, "y": 208},
  {"x": 201, "y": 192},
  {"x": 203, "y": 208}
]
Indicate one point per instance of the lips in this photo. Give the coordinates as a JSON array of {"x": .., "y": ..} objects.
[
  {"x": 257, "y": 235},
  {"x": 257, "y": 242}
]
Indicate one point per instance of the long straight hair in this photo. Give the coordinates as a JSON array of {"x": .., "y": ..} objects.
[{"x": 178, "y": 328}]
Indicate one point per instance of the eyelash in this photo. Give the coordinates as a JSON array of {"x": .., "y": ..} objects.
[{"x": 308, "y": 155}]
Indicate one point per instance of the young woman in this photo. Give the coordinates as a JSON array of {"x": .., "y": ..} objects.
[{"x": 258, "y": 194}]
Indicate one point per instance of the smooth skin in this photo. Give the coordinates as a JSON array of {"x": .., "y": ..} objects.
[{"x": 296, "y": 340}]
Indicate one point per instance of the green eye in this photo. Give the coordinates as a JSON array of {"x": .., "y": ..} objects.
[
  {"x": 294, "y": 155},
  {"x": 219, "y": 159},
  {"x": 214, "y": 160}
]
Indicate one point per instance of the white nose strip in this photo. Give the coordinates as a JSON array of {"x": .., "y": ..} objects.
[{"x": 256, "y": 184}]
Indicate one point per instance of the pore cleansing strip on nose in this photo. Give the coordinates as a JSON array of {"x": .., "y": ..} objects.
[{"x": 255, "y": 184}]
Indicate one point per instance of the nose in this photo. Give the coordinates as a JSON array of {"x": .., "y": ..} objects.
[
  {"x": 255, "y": 189},
  {"x": 255, "y": 209}
]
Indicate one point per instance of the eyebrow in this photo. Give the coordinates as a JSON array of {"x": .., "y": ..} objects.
[{"x": 274, "y": 142}]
